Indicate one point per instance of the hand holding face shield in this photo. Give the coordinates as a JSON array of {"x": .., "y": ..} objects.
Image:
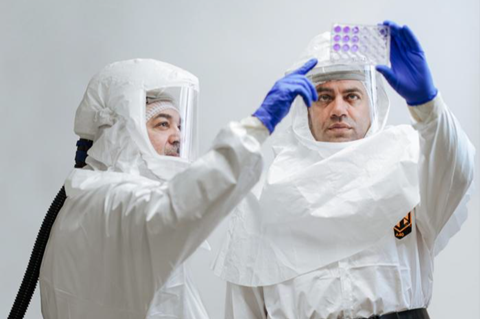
[{"x": 278, "y": 101}]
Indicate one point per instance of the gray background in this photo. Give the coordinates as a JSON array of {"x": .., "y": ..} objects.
[{"x": 50, "y": 49}]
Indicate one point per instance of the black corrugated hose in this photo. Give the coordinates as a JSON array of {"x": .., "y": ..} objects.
[{"x": 30, "y": 279}]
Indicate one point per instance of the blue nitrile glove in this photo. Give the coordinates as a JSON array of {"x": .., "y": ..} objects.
[
  {"x": 278, "y": 101},
  {"x": 409, "y": 75}
]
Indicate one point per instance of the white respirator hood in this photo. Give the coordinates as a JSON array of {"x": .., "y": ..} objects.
[
  {"x": 112, "y": 115},
  {"x": 319, "y": 48}
]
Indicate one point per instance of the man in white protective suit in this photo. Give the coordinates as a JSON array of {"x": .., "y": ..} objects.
[
  {"x": 352, "y": 212},
  {"x": 142, "y": 205}
]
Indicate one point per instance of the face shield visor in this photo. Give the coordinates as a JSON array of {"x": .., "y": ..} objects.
[
  {"x": 362, "y": 84},
  {"x": 171, "y": 115}
]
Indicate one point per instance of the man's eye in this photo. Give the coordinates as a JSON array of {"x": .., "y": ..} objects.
[
  {"x": 324, "y": 98},
  {"x": 163, "y": 124},
  {"x": 353, "y": 96}
]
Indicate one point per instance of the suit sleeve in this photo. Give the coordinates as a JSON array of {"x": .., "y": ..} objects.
[
  {"x": 179, "y": 218},
  {"x": 446, "y": 166}
]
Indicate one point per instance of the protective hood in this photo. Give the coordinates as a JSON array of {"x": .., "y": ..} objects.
[
  {"x": 113, "y": 115},
  {"x": 319, "y": 48},
  {"x": 322, "y": 202}
]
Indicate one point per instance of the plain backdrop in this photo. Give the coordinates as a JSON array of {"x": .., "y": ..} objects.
[{"x": 50, "y": 49}]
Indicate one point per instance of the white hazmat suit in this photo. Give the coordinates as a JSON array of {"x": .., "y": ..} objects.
[
  {"x": 131, "y": 217},
  {"x": 348, "y": 230}
]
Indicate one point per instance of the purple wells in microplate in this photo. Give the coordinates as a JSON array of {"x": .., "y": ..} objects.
[
  {"x": 355, "y": 30},
  {"x": 355, "y": 39},
  {"x": 346, "y": 29},
  {"x": 345, "y": 48},
  {"x": 337, "y": 38},
  {"x": 337, "y": 47},
  {"x": 346, "y": 38},
  {"x": 354, "y": 48},
  {"x": 337, "y": 29}
]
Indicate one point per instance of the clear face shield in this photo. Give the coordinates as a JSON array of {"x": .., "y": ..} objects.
[
  {"x": 354, "y": 89},
  {"x": 171, "y": 119}
]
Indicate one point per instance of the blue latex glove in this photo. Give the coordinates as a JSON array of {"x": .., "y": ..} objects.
[
  {"x": 409, "y": 75},
  {"x": 278, "y": 101}
]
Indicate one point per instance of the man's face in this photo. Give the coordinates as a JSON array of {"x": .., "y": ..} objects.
[
  {"x": 341, "y": 113},
  {"x": 164, "y": 132}
]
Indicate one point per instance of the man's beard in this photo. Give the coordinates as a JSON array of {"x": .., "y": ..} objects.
[{"x": 173, "y": 150}]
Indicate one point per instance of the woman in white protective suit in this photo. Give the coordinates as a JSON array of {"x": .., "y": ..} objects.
[
  {"x": 141, "y": 206},
  {"x": 352, "y": 212}
]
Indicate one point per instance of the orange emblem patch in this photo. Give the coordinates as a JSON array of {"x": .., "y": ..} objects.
[{"x": 404, "y": 227}]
